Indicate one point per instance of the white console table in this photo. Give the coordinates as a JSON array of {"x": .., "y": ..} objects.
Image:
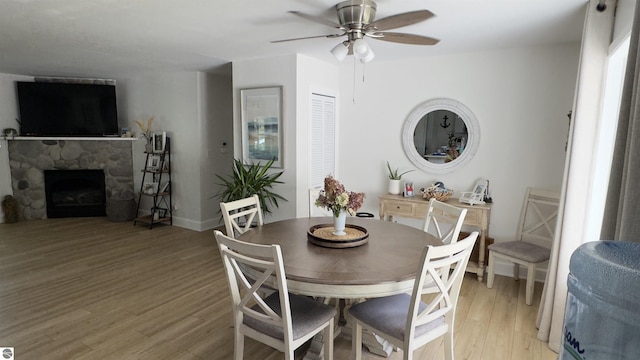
[{"x": 416, "y": 208}]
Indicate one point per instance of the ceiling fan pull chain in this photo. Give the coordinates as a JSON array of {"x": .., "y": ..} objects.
[
  {"x": 363, "y": 69},
  {"x": 354, "y": 80}
]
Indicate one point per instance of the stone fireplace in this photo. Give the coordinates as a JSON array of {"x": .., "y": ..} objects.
[{"x": 28, "y": 160}]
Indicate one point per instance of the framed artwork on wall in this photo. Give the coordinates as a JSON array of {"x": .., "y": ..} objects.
[{"x": 262, "y": 136}]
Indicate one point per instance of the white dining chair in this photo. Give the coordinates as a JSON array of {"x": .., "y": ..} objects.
[
  {"x": 532, "y": 247},
  {"x": 404, "y": 319},
  {"x": 282, "y": 320},
  {"x": 444, "y": 221},
  {"x": 239, "y": 215}
]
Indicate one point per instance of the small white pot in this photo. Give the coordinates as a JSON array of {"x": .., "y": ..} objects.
[{"x": 395, "y": 187}]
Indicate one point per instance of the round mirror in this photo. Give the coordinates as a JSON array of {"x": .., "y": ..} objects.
[{"x": 440, "y": 136}]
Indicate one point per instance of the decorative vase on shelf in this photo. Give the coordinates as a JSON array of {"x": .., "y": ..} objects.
[
  {"x": 339, "y": 223},
  {"x": 148, "y": 147},
  {"x": 395, "y": 186}
]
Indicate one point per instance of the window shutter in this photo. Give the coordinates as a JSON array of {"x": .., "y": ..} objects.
[{"x": 323, "y": 154}]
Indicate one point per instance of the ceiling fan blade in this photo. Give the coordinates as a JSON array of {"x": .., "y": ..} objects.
[
  {"x": 406, "y": 38},
  {"x": 308, "y": 37},
  {"x": 400, "y": 20},
  {"x": 317, "y": 19}
]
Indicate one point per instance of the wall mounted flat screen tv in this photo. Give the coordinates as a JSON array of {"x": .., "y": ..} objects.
[{"x": 61, "y": 109}]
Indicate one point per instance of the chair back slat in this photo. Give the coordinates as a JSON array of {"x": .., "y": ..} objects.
[
  {"x": 538, "y": 217},
  {"x": 443, "y": 266},
  {"x": 248, "y": 267},
  {"x": 233, "y": 212},
  {"x": 444, "y": 221}
]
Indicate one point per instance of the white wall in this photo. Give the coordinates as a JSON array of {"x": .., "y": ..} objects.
[
  {"x": 216, "y": 129},
  {"x": 172, "y": 99},
  {"x": 520, "y": 97},
  {"x": 9, "y": 112},
  {"x": 279, "y": 71},
  {"x": 312, "y": 76},
  {"x": 194, "y": 109}
]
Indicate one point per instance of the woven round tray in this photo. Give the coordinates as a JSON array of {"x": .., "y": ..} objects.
[{"x": 322, "y": 235}]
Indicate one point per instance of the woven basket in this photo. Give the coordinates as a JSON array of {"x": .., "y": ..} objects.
[{"x": 439, "y": 194}]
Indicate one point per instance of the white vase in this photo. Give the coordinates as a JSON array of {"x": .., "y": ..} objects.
[
  {"x": 339, "y": 223},
  {"x": 395, "y": 187}
]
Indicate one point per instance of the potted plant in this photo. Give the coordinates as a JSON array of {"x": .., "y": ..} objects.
[
  {"x": 249, "y": 179},
  {"x": 395, "y": 187}
]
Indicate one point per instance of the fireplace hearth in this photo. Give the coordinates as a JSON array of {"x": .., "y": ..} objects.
[{"x": 75, "y": 193}]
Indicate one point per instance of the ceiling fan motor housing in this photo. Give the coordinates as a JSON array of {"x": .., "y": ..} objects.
[{"x": 356, "y": 14}]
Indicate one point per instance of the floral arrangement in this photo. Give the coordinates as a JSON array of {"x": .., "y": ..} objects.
[
  {"x": 146, "y": 129},
  {"x": 335, "y": 198}
]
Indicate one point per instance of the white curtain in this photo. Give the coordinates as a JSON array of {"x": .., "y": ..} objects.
[
  {"x": 623, "y": 198},
  {"x": 579, "y": 167}
]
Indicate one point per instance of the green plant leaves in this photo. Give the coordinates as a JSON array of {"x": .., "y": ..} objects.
[{"x": 250, "y": 179}]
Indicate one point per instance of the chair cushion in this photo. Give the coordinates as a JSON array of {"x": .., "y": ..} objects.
[
  {"x": 522, "y": 250},
  {"x": 389, "y": 315},
  {"x": 306, "y": 315}
]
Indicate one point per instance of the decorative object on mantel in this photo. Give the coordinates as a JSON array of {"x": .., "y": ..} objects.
[
  {"x": 335, "y": 198},
  {"x": 9, "y": 133},
  {"x": 322, "y": 235},
  {"x": 436, "y": 191},
  {"x": 395, "y": 186},
  {"x": 147, "y": 134}
]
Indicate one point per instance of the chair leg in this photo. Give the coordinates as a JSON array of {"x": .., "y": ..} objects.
[
  {"x": 290, "y": 355},
  {"x": 516, "y": 271},
  {"x": 448, "y": 345},
  {"x": 356, "y": 340},
  {"x": 238, "y": 345},
  {"x": 328, "y": 341},
  {"x": 491, "y": 270},
  {"x": 531, "y": 280}
]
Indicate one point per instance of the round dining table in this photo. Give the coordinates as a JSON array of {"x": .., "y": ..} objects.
[{"x": 385, "y": 265}]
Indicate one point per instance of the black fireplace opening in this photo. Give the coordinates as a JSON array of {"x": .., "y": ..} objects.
[{"x": 75, "y": 193}]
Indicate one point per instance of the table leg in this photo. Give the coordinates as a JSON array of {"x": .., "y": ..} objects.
[{"x": 481, "y": 255}]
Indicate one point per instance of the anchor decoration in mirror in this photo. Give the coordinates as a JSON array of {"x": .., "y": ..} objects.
[{"x": 440, "y": 136}]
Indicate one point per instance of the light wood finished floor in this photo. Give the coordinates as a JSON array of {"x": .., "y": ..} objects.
[{"x": 92, "y": 289}]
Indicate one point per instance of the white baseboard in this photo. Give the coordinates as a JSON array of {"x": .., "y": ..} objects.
[{"x": 196, "y": 225}]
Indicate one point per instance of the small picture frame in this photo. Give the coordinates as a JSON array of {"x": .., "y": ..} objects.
[
  {"x": 153, "y": 163},
  {"x": 408, "y": 188},
  {"x": 150, "y": 188},
  {"x": 159, "y": 141}
]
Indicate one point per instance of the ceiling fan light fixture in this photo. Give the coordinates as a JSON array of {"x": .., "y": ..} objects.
[
  {"x": 341, "y": 50},
  {"x": 361, "y": 49},
  {"x": 369, "y": 57}
]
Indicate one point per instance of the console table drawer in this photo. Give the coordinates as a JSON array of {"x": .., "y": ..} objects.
[{"x": 400, "y": 208}]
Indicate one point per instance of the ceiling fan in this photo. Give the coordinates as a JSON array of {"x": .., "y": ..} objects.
[{"x": 356, "y": 21}]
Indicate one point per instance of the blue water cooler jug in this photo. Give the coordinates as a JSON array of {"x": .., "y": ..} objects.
[{"x": 602, "y": 315}]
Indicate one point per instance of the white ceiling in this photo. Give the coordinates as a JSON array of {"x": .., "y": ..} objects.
[{"x": 104, "y": 38}]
